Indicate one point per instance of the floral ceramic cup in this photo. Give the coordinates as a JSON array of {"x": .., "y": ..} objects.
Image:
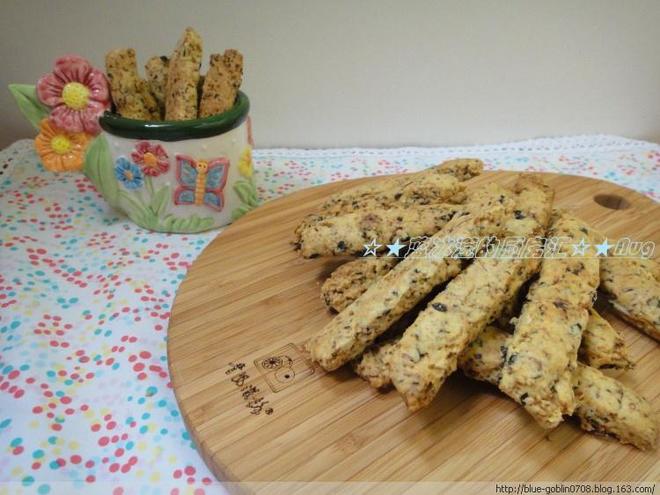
[{"x": 176, "y": 176}]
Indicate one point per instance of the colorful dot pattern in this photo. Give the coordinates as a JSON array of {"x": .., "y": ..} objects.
[{"x": 85, "y": 299}]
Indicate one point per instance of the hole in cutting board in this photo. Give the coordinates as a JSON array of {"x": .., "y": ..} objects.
[{"x": 612, "y": 201}]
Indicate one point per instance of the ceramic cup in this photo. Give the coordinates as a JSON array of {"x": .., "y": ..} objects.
[{"x": 176, "y": 176}]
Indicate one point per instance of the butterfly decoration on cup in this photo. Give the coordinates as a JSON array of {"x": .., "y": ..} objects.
[{"x": 201, "y": 182}]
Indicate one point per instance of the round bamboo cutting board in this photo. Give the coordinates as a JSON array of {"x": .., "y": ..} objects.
[{"x": 260, "y": 411}]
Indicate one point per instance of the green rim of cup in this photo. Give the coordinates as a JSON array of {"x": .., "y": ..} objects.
[{"x": 177, "y": 130}]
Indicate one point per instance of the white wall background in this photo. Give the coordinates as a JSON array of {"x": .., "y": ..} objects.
[{"x": 380, "y": 73}]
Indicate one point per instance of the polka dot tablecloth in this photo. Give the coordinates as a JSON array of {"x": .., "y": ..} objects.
[{"x": 85, "y": 297}]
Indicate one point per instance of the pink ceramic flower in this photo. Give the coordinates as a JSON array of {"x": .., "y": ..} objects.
[
  {"x": 77, "y": 92},
  {"x": 152, "y": 158}
]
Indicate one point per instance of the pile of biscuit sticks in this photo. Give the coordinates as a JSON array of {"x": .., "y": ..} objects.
[
  {"x": 174, "y": 88},
  {"x": 524, "y": 323}
]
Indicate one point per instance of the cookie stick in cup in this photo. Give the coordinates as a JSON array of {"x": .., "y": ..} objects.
[
  {"x": 156, "y": 69},
  {"x": 357, "y": 326},
  {"x": 149, "y": 99},
  {"x": 182, "y": 78},
  {"x": 126, "y": 86},
  {"x": 233, "y": 61},
  {"x": 604, "y": 405},
  {"x": 221, "y": 83}
]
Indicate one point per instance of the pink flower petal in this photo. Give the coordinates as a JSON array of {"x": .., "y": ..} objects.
[
  {"x": 92, "y": 127},
  {"x": 142, "y": 147},
  {"x": 90, "y": 117},
  {"x": 98, "y": 86},
  {"x": 49, "y": 90},
  {"x": 159, "y": 151},
  {"x": 66, "y": 118},
  {"x": 70, "y": 58},
  {"x": 95, "y": 108},
  {"x": 72, "y": 68}
]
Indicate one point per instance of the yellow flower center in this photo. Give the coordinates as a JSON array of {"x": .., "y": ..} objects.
[
  {"x": 150, "y": 159},
  {"x": 245, "y": 163},
  {"x": 75, "y": 95},
  {"x": 128, "y": 175},
  {"x": 60, "y": 144}
]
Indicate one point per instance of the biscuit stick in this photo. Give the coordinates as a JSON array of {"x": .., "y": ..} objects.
[
  {"x": 428, "y": 351},
  {"x": 602, "y": 352},
  {"x": 221, "y": 83},
  {"x": 604, "y": 405},
  {"x": 233, "y": 60},
  {"x": 651, "y": 265},
  {"x": 602, "y": 345},
  {"x": 126, "y": 87},
  {"x": 532, "y": 199},
  {"x": 150, "y": 102},
  {"x": 373, "y": 365},
  {"x": 462, "y": 168},
  {"x": 182, "y": 78},
  {"x": 542, "y": 355},
  {"x": 634, "y": 291},
  {"x": 352, "y": 279},
  {"x": 157, "y": 69},
  {"x": 359, "y": 274},
  {"x": 439, "y": 184},
  {"x": 348, "y": 233},
  {"x": 358, "y": 325}
]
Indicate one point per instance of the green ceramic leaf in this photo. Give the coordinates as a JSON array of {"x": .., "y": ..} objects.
[
  {"x": 242, "y": 188},
  {"x": 153, "y": 223},
  {"x": 135, "y": 210},
  {"x": 239, "y": 212},
  {"x": 136, "y": 217},
  {"x": 189, "y": 225},
  {"x": 149, "y": 220},
  {"x": 99, "y": 168},
  {"x": 135, "y": 205},
  {"x": 160, "y": 201},
  {"x": 140, "y": 213},
  {"x": 253, "y": 200},
  {"x": 172, "y": 223},
  {"x": 247, "y": 192},
  {"x": 29, "y": 104}
]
